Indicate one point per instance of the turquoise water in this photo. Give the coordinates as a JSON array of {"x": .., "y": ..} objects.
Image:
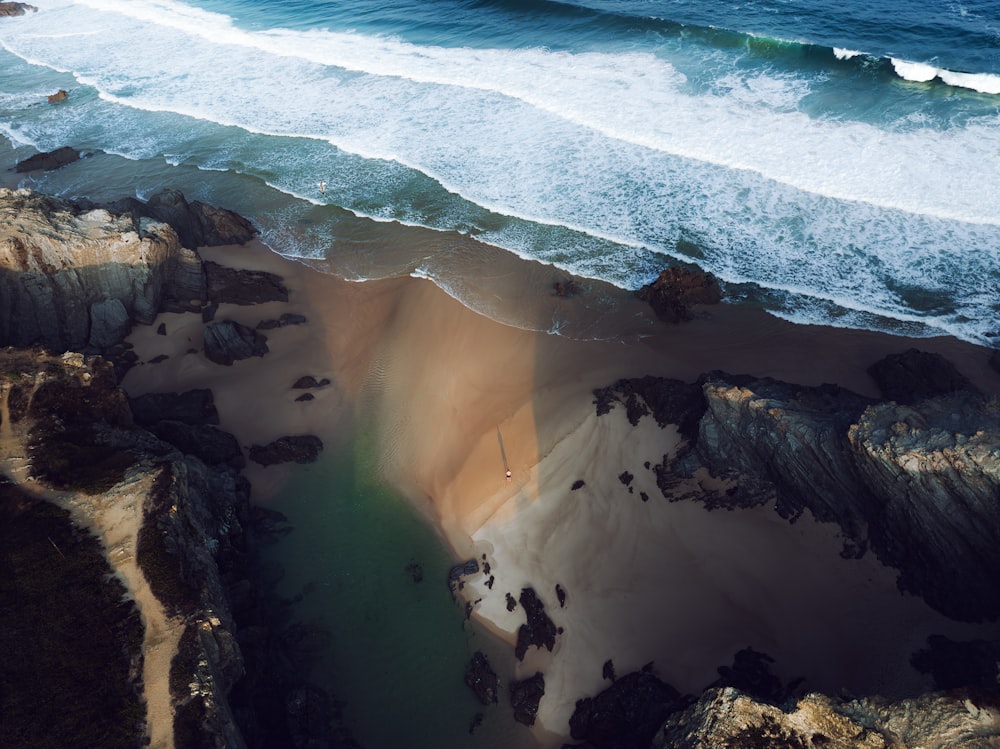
[
  {"x": 392, "y": 649},
  {"x": 837, "y": 165}
]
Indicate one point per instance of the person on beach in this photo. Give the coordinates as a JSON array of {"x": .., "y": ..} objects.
[
  {"x": 509, "y": 474},
  {"x": 322, "y": 186}
]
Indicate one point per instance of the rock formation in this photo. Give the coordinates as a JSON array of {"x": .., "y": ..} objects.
[
  {"x": 728, "y": 718},
  {"x": 52, "y": 159},
  {"x": 525, "y": 696},
  {"x": 228, "y": 341},
  {"x": 677, "y": 289},
  {"x": 918, "y": 484},
  {"x": 16, "y": 9},
  {"x": 303, "y": 448}
]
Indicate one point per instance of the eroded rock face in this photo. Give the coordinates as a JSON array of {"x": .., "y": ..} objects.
[
  {"x": 729, "y": 718},
  {"x": 56, "y": 263}
]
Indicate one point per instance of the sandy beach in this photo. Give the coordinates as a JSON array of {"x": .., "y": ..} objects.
[{"x": 455, "y": 399}]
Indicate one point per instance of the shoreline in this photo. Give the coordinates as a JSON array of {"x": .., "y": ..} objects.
[{"x": 456, "y": 397}]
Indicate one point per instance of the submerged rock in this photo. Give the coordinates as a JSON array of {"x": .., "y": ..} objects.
[
  {"x": 50, "y": 160},
  {"x": 482, "y": 679},
  {"x": 295, "y": 449}
]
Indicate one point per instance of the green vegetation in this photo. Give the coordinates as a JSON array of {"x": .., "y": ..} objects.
[
  {"x": 161, "y": 568},
  {"x": 70, "y": 643}
]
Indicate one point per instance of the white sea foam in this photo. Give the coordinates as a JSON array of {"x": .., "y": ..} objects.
[
  {"x": 845, "y": 54},
  {"x": 984, "y": 83}
]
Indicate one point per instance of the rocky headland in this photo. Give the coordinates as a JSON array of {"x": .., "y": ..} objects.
[{"x": 143, "y": 502}]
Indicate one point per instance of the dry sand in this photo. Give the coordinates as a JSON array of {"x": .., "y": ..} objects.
[{"x": 455, "y": 398}]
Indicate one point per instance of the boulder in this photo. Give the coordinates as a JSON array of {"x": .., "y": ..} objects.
[
  {"x": 58, "y": 96},
  {"x": 228, "y": 341},
  {"x": 49, "y": 160},
  {"x": 525, "y": 696},
  {"x": 677, "y": 289}
]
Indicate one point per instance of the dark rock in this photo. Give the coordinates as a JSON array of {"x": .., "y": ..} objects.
[
  {"x": 191, "y": 407},
  {"x": 525, "y": 696},
  {"x": 608, "y": 670},
  {"x": 669, "y": 401},
  {"x": 288, "y": 318},
  {"x": 673, "y": 293},
  {"x": 561, "y": 595},
  {"x": 161, "y": 329},
  {"x": 960, "y": 664},
  {"x": 305, "y": 397},
  {"x": 196, "y": 224},
  {"x": 208, "y": 311},
  {"x": 482, "y": 679},
  {"x": 477, "y": 720},
  {"x": 625, "y": 477},
  {"x": 50, "y": 160},
  {"x": 159, "y": 358},
  {"x": 511, "y": 602},
  {"x": 539, "y": 630},
  {"x": 566, "y": 287},
  {"x": 209, "y": 443},
  {"x": 295, "y": 449},
  {"x": 233, "y": 286},
  {"x": 308, "y": 381},
  {"x": 914, "y": 376},
  {"x": 109, "y": 323},
  {"x": 227, "y": 341},
  {"x": 16, "y": 9},
  {"x": 416, "y": 572},
  {"x": 578, "y": 484},
  {"x": 627, "y": 714},
  {"x": 751, "y": 674}
]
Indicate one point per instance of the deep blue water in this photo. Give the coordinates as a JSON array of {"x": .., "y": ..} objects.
[{"x": 836, "y": 164}]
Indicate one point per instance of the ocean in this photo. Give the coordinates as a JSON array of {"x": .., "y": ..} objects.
[{"x": 833, "y": 165}]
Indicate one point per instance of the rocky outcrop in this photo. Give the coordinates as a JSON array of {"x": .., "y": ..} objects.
[
  {"x": 728, "y": 718},
  {"x": 918, "y": 484},
  {"x": 627, "y": 714},
  {"x": 539, "y": 630},
  {"x": 52, "y": 159},
  {"x": 229, "y": 341},
  {"x": 197, "y": 224},
  {"x": 16, "y": 9},
  {"x": 525, "y": 696},
  {"x": 676, "y": 290},
  {"x": 303, "y": 448},
  {"x": 59, "y": 269}
]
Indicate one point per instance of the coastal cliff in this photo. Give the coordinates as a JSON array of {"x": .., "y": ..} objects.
[
  {"x": 74, "y": 276},
  {"x": 158, "y": 492}
]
